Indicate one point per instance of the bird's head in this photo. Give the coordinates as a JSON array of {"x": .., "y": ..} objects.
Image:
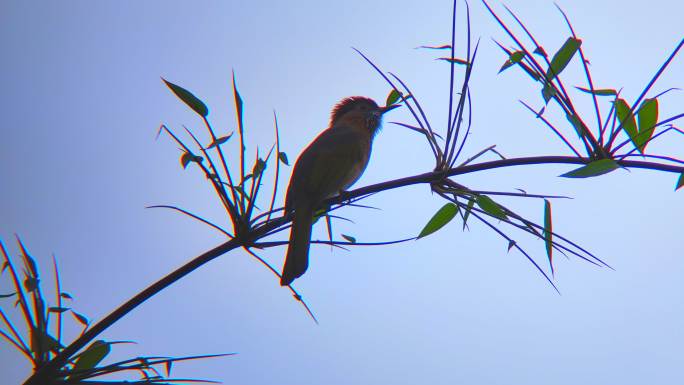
[{"x": 359, "y": 110}]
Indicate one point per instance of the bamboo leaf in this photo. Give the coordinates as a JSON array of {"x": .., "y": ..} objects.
[
  {"x": 599, "y": 92},
  {"x": 562, "y": 57},
  {"x": 283, "y": 158},
  {"x": 680, "y": 182},
  {"x": 443, "y": 216},
  {"x": 83, "y": 320},
  {"x": 392, "y": 98},
  {"x": 454, "y": 60},
  {"x": 56, "y": 309},
  {"x": 626, "y": 118},
  {"x": 648, "y": 118},
  {"x": 513, "y": 58},
  {"x": 468, "y": 209},
  {"x": 595, "y": 168},
  {"x": 349, "y": 238},
  {"x": 490, "y": 207},
  {"x": 445, "y": 46},
  {"x": 548, "y": 92},
  {"x": 540, "y": 51},
  {"x": 219, "y": 141},
  {"x": 188, "y": 98},
  {"x": 95, "y": 353},
  {"x": 187, "y": 157},
  {"x": 577, "y": 124},
  {"x": 548, "y": 233}
]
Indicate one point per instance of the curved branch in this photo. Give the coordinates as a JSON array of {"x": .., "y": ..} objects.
[{"x": 42, "y": 375}]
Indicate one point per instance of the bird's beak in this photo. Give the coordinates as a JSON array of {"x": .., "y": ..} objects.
[{"x": 382, "y": 110}]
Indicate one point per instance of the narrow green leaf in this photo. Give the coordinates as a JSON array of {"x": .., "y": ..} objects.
[
  {"x": 441, "y": 218},
  {"x": 95, "y": 353},
  {"x": 283, "y": 158},
  {"x": 187, "y": 157},
  {"x": 454, "y": 60},
  {"x": 511, "y": 244},
  {"x": 548, "y": 233},
  {"x": 577, "y": 124},
  {"x": 513, "y": 58},
  {"x": 648, "y": 118},
  {"x": 83, "y": 320},
  {"x": 49, "y": 343},
  {"x": 349, "y": 238},
  {"x": 66, "y": 295},
  {"x": 599, "y": 92},
  {"x": 680, "y": 182},
  {"x": 468, "y": 209},
  {"x": 548, "y": 92},
  {"x": 188, "y": 98},
  {"x": 7, "y": 295},
  {"x": 490, "y": 207},
  {"x": 445, "y": 46},
  {"x": 626, "y": 119},
  {"x": 595, "y": 168},
  {"x": 238, "y": 105},
  {"x": 392, "y": 98},
  {"x": 56, "y": 309},
  {"x": 219, "y": 141},
  {"x": 562, "y": 57},
  {"x": 540, "y": 51}
]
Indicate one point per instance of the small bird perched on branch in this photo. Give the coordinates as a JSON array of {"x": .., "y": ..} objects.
[{"x": 329, "y": 165}]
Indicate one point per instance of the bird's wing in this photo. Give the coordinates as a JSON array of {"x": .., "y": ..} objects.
[{"x": 331, "y": 163}]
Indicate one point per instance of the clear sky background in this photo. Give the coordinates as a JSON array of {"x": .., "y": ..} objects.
[{"x": 81, "y": 103}]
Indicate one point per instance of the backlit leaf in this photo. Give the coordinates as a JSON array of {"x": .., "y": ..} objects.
[
  {"x": 648, "y": 118},
  {"x": 626, "y": 119},
  {"x": 595, "y": 168},
  {"x": 392, "y": 98},
  {"x": 81, "y": 318},
  {"x": 349, "y": 238},
  {"x": 445, "y": 46},
  {"x": 600, "y": 92},
  {"x": 92, "y": 356},
  {"x": 548, "y": 232},
  {"x": 187, "y": 157},
  {"x": 562, "y": 57},
  {"x": 513, "y": 58},
  {"x": 441, "y": 218},
  {"x": 283, "y": 158},
  {"x": 454, "y": 60},
  {"x": 577, "y": 124},
  {"x": 492, "y": 208},
  {"x": 188, "y": 98},
  {"x": 468, "y": 209},
  {"x": 219, "y": 141}
]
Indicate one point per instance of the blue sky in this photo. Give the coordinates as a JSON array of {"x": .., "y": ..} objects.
[{"x": 81, "y": 103}]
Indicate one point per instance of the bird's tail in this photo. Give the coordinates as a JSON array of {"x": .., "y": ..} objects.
[{"x": 297, "y": 259}]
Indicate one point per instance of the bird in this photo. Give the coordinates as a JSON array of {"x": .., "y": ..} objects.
[{"x": 329, "y": 165}]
